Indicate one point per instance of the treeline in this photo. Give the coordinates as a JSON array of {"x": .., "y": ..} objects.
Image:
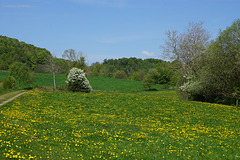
[
  {"x": 150, "y": 71},
  {"x": 36, "y": 59},
  {"x": 12, "y": 50},
  {"x": 128, "y": 66}
]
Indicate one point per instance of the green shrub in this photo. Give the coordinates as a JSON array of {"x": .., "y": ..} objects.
[
  {"x": 165, "y": 86},
  {"x": 120, "y": 75},
  {"x": 9, "y": 83}
]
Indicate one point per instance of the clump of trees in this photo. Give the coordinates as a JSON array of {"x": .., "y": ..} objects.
[
  {"x": 77, "y": 81},
  {"x": 98, "y": 69},
  {"x": 209, "y": 71},
  {"x": 163, "y": 74},
  {"x": 20, "y": 72},
  {"x": 150, "y": 71},
  {"x": 129, "y": 65}
]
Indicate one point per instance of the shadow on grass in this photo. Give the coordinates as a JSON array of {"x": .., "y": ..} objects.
[{"x": 151, "y": 89}]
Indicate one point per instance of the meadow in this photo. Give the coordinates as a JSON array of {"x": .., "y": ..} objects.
[
  {"x": 107, "y": 125},
  {"x": 119, "y": 120},
  {"x": 98, "y": 83}
]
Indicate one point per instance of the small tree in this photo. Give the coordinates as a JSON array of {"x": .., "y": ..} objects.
[
  {"x": 52, "y": 67},
  {"x": 20, "y": 72},
  {"x": 77, "y": 81}
]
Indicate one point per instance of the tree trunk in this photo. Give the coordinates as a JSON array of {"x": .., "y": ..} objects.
[
  {"x": 54, "y": 83},
  {"x": 19, "y": 84},
  {"x": 237, "y": 103}
]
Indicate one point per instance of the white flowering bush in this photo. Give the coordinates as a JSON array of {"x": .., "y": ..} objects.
[
  {"x": 77, "y": 81},
  {"x": 192, "y": 86}
]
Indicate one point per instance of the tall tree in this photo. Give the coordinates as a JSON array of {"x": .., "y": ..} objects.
[
  {"x": 74, "y": 59},
  {"x": 221, "y": 72},
  {"x": 186, "y": 47}
]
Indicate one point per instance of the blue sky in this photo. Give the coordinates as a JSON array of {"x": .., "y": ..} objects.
[{"x": 104, "y": 29}]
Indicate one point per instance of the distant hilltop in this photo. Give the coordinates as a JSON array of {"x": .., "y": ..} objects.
[{"x": 12, "y": 50}]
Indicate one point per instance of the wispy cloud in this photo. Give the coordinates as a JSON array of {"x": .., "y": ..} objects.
[
  {"x": 107, "y": 3},
  {"x": 18, "y": 6},
  {"x": 148, "y": 54}
]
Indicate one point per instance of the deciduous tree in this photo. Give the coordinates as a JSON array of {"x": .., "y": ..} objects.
[
  {"x": 185, "y": 47},
  {"x": 74, "y": 59}
]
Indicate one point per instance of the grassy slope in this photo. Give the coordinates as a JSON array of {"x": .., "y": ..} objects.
[
  {"x": 102, "y": 125},
  {"x": 98, "y": 83}
]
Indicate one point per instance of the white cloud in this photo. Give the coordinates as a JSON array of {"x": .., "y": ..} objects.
[
  {"x": 18, "y": 6},
  {"x": 148, "y": 54}
]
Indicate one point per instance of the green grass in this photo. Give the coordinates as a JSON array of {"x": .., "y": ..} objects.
[
  {"x": 104, "y": 125},
  {"x": 116, "y": 121},
  {"x": 97, "y": 83},
  {"x": 117, "y": 85}
]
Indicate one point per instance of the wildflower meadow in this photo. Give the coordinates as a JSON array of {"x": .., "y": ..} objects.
[{"x": 102, "y": 125}]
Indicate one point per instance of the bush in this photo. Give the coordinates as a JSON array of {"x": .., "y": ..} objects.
[
  {"x": 77, "y": 81},
  {"x": 148, "y": 82},
  {"x": 120, "y": 75},
  {"x": 165, "y": 86},
  {"x": 138, "y": 76},
  {"x": 150, "y": 79},
  {"x": 193, "y": 88},
  {"x": 9, "y": 83}
]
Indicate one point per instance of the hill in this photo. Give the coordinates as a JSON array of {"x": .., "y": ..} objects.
[{"x": 12, "y": 50}]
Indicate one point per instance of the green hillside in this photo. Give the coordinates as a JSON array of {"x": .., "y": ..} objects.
[{"x": 12, "y": 50}]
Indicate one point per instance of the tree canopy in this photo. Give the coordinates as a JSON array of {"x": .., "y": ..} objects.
[
  {"x": 130, "y": 65},
  {"x": 12, "y": 50}
]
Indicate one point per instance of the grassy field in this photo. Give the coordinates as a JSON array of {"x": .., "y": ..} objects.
[
  {"x": 116, "y": 121},
  {"x": 104, "y": 125},
  {"x": 97, "y": 83}
]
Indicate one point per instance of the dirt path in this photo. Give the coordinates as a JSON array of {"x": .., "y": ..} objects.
[{"x": 5, "y": 96}]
